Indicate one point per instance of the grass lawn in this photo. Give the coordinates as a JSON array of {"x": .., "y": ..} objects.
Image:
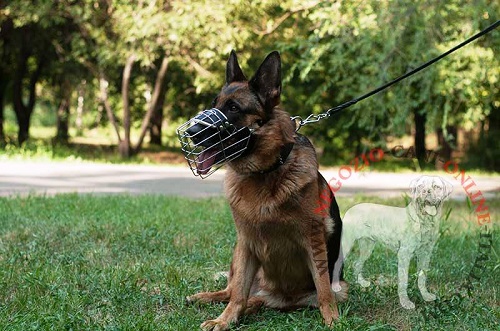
[{"x": 123, "y": 262}]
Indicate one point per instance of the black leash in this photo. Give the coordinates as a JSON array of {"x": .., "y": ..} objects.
[{"x": 317, "y": 117}]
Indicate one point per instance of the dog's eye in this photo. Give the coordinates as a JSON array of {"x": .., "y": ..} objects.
[{"x": 234, "y": 109}]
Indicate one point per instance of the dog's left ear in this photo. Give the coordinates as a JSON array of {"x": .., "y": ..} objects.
[{"x": 266, "y": 82}]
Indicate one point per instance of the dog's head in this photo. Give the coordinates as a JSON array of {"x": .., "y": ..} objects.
[
  {"x": 250, "y": 102},
  {"x": 240, "y": 111},
  {"x": 428, "y": 192}
]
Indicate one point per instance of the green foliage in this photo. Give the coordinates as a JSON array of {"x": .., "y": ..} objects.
[
  {"x": 354, "y": 47},
  {"x": 332, "y": 52},
  {"x": 127, "y": 262}
]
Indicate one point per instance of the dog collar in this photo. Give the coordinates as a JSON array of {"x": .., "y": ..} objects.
[{"x": 284, "y": 153}]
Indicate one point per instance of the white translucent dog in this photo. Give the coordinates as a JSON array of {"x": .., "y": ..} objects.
[{"x": 410, "y": 231}]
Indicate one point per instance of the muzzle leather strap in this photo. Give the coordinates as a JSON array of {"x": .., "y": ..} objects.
[{"x": 284, "y": 153}]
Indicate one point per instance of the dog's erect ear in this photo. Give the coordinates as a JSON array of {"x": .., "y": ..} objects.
[
  {"x": 266, "y": 82},
  {"x": 233, "y": 70}
]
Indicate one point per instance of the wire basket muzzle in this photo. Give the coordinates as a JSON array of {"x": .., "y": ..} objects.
[{"x": 208, "y": 141}]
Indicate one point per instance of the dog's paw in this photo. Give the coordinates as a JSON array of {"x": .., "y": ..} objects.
[
  {"x": 329, "y": 319},
  {"x": 336, "y": 287},
  {"x": 406, "y": 303},
  {"x": 330, "y": 313},
  {"x": 197, "y": 298},
  {"x": 363, "y": 282},
  {"x": 428, "y": 296},
  {"x": 214, "y": 325},
  {"x": 190, "y": 300},
  {"x": 340, "y": 290},
  {"x": 329, "y": 323}
]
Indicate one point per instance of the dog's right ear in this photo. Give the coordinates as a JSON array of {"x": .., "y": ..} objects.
[{"x": 233, "y": 70}]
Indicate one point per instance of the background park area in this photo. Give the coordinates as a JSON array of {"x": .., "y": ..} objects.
[{"x": 103, "y": 226}]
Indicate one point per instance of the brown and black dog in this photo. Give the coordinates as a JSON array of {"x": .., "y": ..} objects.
[{"x": 287, "y": 220}]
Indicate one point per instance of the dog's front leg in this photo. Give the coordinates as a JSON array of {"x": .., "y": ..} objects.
[
  {"x": 245, "y": 267},
  {"x": 423, "y": 261},
  {"x": 404, "y": 256},
  {"x": 318, "y": 264}
]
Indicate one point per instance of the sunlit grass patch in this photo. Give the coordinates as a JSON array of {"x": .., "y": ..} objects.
[{"x": 127, "y": 262}]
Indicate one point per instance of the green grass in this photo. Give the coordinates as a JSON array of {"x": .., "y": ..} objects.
[
  {"x": 45, "y": 150},
  {"x": 98, "y": 144},
  {"x": 123, "y": 262}
]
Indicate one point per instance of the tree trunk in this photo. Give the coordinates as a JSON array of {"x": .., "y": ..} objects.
[
  {"x": 2, "y": 134},
  {"x": 79, "y": 109},
  {"x": 23, "y": 112},
  {"x": 447, "y": 145},
  {"x": 157, "y": 119},
  {"x": 62, "y": 135},
  {"x": 124, "y": 147},
  {"x": 492, "y": 136},
  {"x": 23, "y": 121},
  {"x": 160, "y": 77},
  {"x": 3, "y": 88},
  {"x": 103, "y": 86},
  {"x": 420, "y": 149}
]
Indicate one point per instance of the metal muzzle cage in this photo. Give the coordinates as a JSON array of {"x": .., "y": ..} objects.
[{"x": 208, "y": 141}]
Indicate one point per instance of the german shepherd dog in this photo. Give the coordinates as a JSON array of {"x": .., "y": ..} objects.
[{"x": 287, "y": 220}]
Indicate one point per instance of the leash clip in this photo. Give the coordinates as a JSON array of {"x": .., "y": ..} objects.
[
  {"x": 313, "y": 118},
  {"x": 299, "y": 122}
]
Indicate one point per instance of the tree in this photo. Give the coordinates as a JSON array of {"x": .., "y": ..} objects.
[
  {"x": 6, "y": 27},
  {"x": 31, "y": 35},
  {"x": 28, "y": 69},
  {"x": 355, "y": 47},
  {"x": 148, "y": 63},
  {"x": 144, "y": 45}
]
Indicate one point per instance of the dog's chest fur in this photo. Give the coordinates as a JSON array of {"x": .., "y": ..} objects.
[
  {"x": 264, "y": 203},
  {"x": 279, "y": 244},
  {"x": 273, "y": 217},
  {"x": 284, "y": 196},
  {"x": 282, "y": 256}
]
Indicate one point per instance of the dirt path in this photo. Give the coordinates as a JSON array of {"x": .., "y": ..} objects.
[{"x": 21, "y": 178}]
